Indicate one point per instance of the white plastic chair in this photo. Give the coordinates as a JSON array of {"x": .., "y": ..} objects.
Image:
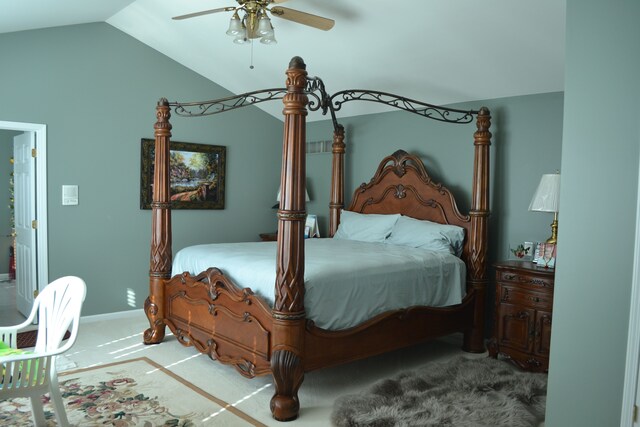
[{"x": 33, "y": 374}]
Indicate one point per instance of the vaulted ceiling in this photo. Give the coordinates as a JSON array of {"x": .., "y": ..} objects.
[{"x": 439, "y": 51}]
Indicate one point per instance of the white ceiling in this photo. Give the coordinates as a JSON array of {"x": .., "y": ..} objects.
[{"x": 438, "y": 51}]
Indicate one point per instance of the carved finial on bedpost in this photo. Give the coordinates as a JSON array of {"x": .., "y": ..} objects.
[
  {"x": 297, "y": 62},
  {"x": 287, "y": 333},
  {"x": 477, "y": 255},
  {"x": 160, "y": 259},
  {"x": 337, "y": 179}
]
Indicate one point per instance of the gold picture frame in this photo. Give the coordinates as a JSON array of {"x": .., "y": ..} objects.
[{"x": 197, "y": 175}]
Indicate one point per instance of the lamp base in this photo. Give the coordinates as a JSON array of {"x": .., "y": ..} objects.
[{"x": 554, "y": 230}]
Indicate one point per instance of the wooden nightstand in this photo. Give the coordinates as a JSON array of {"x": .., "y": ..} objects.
[
  {"x": 523, "y": 311},
  {"x": 269, "y": 237}
]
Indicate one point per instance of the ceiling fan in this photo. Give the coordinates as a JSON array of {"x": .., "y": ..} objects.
[{"x": 255, "y": 22}]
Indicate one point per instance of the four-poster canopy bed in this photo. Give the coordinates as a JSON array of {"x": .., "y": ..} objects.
[{"x": 236, "y": 326}]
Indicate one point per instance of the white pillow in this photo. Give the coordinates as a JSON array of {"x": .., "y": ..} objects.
[
  {"x": 427, "y": 235},
  {"x": 365, "y": 227}
]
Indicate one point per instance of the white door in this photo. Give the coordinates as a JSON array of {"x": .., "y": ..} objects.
[{"x": 25, "y": 215}]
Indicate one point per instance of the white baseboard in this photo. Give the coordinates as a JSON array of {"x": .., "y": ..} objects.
[
  {"x": 4, "y": 276},
  {"x": 111, "y": 316}
]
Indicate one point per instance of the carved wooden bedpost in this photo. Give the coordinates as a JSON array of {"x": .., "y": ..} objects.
[
  {"x": 477, "y": 274},
  {"x": 287, "y": 338},
  {"x": 337, "y": 180},
  {"x": 160, "y": 263}
]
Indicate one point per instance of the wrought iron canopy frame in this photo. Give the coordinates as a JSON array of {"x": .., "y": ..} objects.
[
  {"x": 314, "y": 89},
  {"x": 319, "y": 99},
  {"x": 435, "y": 112}
]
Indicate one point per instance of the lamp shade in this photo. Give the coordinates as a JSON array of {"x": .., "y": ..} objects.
[
  {"x": 306, "y": 195},
  {"x": 547, "y": 196}
]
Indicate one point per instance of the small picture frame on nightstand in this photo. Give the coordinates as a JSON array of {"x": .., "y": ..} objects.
[
  {"x": 311, "y": 227},
  {"x": 545, "y": 255},
  {"x": 536, "y": 252}
]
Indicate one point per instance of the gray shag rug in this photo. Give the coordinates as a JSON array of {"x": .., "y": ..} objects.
[{"x": 460, "y": 392}]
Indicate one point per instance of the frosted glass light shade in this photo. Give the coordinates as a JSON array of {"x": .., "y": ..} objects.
[
  {"x": 269, "y": 39},
  {"x": 241, "y": 38},
  {"x": 235, "y": 25},
  {"x": 264, "y": 26},
  {"x": 547, "y": 196}
]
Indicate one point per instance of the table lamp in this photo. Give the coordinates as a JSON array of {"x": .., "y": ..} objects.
[
  {"x": 546, "y": 199},
  {"x": 277, "y": 205}
]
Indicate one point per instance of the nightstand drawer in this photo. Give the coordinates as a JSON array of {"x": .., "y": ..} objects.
[
  {"x": 535, "y": 281},
  {"x": 525, "y": 298}
]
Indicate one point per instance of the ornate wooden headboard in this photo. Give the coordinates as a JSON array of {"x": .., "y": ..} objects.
[{"x": 402, "y": 185}]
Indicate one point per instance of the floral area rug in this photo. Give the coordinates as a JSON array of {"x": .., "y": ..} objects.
[{"x": 136, "y": 392}]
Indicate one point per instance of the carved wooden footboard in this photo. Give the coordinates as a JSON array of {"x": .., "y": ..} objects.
[{"x": 230, "y": 324}]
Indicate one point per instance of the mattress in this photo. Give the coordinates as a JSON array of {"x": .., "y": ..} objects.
[{"x": 346, "y": 282}]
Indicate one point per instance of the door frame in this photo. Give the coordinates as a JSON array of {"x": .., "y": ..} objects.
[{"x": 42, "y": 241}]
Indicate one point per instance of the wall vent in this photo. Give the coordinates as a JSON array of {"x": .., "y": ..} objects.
[{"x": 317, "y": 147}]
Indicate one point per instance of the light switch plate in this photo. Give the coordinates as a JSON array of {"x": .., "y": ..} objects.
[{"x": 69, "y": 195}]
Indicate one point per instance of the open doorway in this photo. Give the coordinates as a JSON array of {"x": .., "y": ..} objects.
[{"x": 29, "y": 202}]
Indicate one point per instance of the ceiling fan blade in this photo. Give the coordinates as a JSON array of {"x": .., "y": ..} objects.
[
  {"x": 204, "y": 12},
  {"x": 278, "y": 1},
  {"x": 304, "y": 18}
]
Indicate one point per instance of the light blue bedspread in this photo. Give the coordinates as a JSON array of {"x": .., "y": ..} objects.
[{"x": 346, "y": 282}]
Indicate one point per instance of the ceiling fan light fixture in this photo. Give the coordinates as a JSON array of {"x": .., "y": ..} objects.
[
  {"x": 256, "y": 23},
  {"x": 269, "y": 39},
  {"x": 264, "y": 25},
  {"x": 241, "y": 38},
  {"x": 235, "y": 25}
]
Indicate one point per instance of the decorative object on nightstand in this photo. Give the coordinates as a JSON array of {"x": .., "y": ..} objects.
[
  {"x": 545, "y": 255},
  {"x": 310, "y": 230},
  {"x": 547, "y": 199},
  {"x": 522, "y": 317},
  {"x": 522, "y": 251}
]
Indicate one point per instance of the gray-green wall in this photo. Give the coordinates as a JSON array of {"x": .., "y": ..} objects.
[
  {"x": 96, "y": 89},
  {"x": 6, "y": 169},
  {"x": 598, "y": 214},
  {"x": 526, "y": 143}
]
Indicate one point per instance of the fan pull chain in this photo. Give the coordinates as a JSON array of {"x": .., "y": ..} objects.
[{"x": 251, "y": 66}]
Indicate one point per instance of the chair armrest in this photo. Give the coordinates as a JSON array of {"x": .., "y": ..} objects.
[
  {"x": 25, "y": 324},
  {"x": 26, "y": 356},
  {"x": 9, "y": 336}
]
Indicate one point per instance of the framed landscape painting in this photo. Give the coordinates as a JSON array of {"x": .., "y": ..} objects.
[{"x": 196, "y": 175}]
